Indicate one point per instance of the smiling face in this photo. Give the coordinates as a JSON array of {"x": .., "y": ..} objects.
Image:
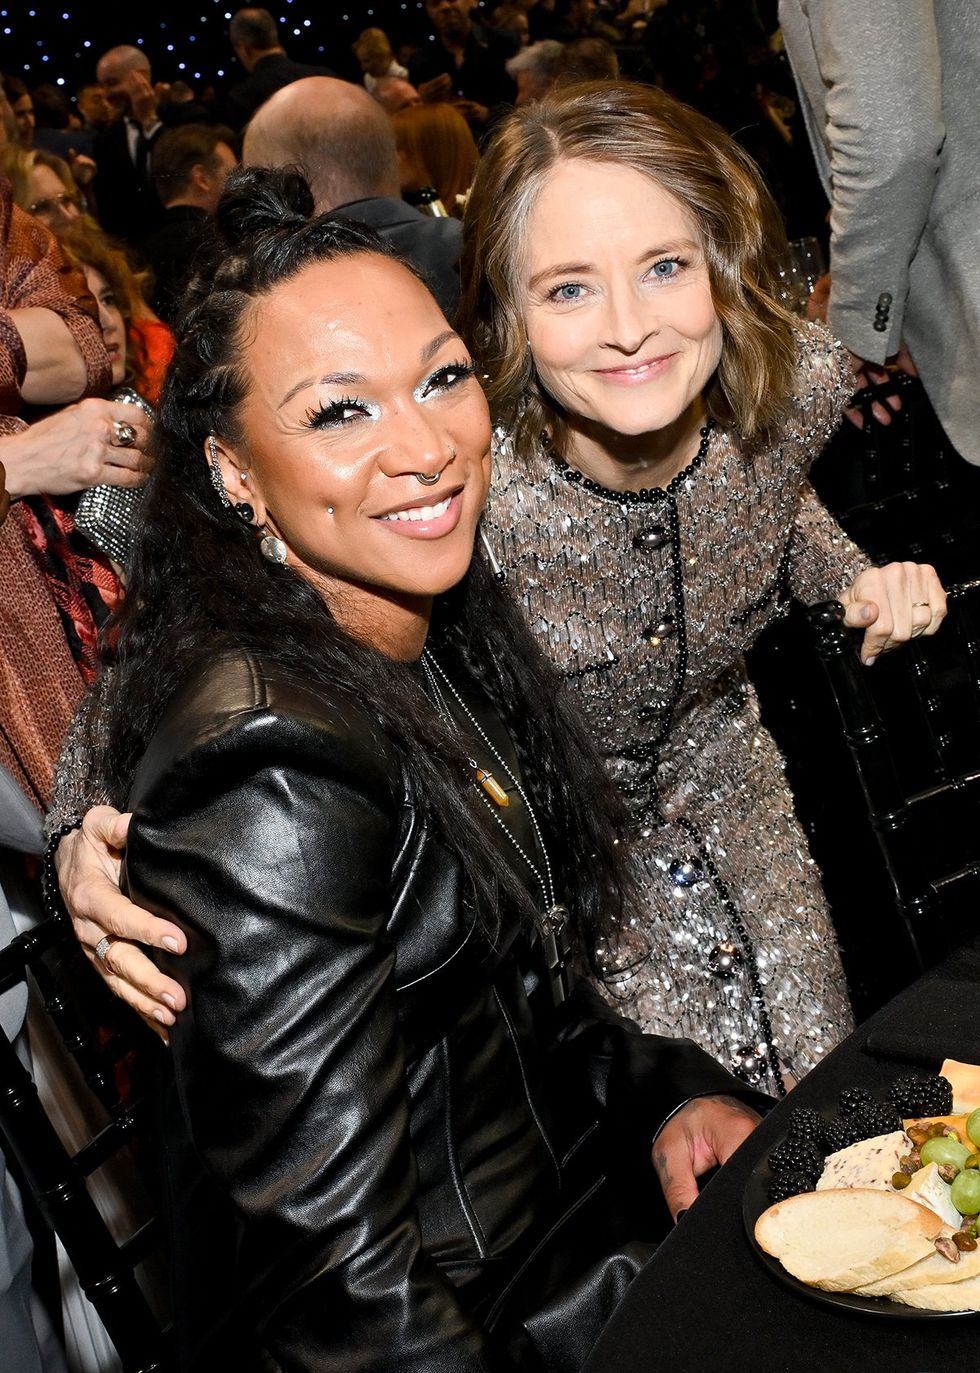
[
  {"x": 111, "y": 322},
  {"x": 618, "y": 306},
  {"x": 357, "y": 383}
]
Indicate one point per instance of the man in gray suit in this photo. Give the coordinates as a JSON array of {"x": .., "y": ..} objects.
[{"x": 889, "y": 90}]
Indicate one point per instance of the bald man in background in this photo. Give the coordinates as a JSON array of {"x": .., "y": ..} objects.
[
  {"x": 128, "y": 203},
  {"x": 343, "y": 142}
]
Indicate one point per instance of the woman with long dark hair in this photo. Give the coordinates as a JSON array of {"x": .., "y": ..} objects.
[{"x": 385, "y": 838}]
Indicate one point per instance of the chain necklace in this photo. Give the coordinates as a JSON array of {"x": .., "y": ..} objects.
[{"x": 553, "y": 920}]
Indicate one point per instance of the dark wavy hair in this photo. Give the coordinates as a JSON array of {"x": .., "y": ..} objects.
[{"x": 199, "y": 585}]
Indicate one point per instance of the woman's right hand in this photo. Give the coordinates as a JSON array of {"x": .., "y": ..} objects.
[
  {"x": 87, "y": 862},
  {"x": 76, "y": 448}
]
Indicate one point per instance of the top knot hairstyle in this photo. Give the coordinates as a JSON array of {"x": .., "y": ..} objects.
[
  {"x": 264, "y": 232},
  {"x": 688, "y": 156},
  {"x": 199, "y": 586}
]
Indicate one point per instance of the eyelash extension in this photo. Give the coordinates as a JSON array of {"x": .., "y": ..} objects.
[
  {"x": 332, "y": 415},
  {"x": 463, "y": 370},
  {"x": 328, "y": 416}
]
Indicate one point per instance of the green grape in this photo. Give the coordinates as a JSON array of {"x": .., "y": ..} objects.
[
  {"x": 973, "y": 1125},
  {"x": 964, "y": 1192},
  {"x": 944, "y": 1150}
]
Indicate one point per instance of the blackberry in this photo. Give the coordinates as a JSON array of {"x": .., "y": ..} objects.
[
  {"x": 853, "y": 1099},
  {"x": 921, "y": 1096},
  {"x": 874, "y": 1119},
  {"x": 788, "y": 1185},
  {"x": 805, "y": 1123},
  {"x": 797, "y": 1156},
  {"x": 841, "y": 1132}
]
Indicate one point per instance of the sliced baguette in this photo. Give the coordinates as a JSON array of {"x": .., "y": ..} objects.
[
  {"x": 928, "y": 1272},
  {"x": 953, "y": 1296},
  {"x": 844, "y": 1238}
]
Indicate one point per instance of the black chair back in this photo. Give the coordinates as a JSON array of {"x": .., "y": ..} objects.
[{"x": 55, "y": 1176}]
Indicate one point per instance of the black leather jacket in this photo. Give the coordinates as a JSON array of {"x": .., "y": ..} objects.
[{"x": 394, "y": 1108}]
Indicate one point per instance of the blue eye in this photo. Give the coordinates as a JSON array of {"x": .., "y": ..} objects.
[
  {"x": 569, "y": 290},
  {"x": 666, "y": 268}
]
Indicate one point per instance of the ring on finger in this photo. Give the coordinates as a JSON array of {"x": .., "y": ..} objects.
[
  {"x": 921, "y": 605},
  {"x": 125, "y": 434},
  {"x": 102, "y": 949}
]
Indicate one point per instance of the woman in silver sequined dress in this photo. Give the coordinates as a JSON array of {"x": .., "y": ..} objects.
[{"x": 651, "y": 510}]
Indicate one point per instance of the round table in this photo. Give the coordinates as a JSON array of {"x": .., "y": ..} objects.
[{"x": 706, "y": 1302}]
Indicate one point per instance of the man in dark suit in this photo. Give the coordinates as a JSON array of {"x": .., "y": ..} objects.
[
  {"x": 128, "y": 204},
  {"x": 342, "y": 141},
  {"x": 190, "y": 166},
  {"x": 255, "y": 39},
  {"x": 464, "y": 64}
]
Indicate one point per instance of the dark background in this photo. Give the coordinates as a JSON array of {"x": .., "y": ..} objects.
[{"x": 61, "y": 41}]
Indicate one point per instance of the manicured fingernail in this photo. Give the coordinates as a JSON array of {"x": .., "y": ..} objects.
[
  {"x": 163, "y": 1018},
  {"x": 165, "y": 996},
  {"x": 865, "y": 612},
  {"x": 170, "y": 943},
  {"x": 868, "y": 662},
  {"x": 677, "y": 1218}
]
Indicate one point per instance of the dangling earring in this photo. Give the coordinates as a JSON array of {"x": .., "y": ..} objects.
[
  {"x": 217, "y": 480},
  {"x": 272, "y": 548}
]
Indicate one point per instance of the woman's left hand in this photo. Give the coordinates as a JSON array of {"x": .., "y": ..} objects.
[
  {"x": 892, "y": 605},
  {"x": 703, "y": 1134}
]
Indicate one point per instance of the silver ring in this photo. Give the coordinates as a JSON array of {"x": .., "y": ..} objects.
[
  {"x": 428, "y": 481},
  {"x": 103, "y": 947},
  {"x": 125, "y": 434}
]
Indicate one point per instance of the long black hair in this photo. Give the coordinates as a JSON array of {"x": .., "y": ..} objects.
[{"x": 199, "y": 584}]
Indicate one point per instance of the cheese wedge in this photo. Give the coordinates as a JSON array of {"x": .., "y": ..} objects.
[
  {"x": 843, "y": 1238},
  {"x": 964, "y": 1078},
  {"x": 928, "y": 1189},
  {"x": 869, "y": 1163},
  {"x": 953, "y": 1296},
  {"x": 928, "y": 1272}
]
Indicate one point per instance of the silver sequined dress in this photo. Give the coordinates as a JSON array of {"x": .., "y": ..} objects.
[{"x": 647, "y": 603}]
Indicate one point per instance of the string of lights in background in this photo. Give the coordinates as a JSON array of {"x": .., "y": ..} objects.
[{"x": 61, "y": 42}]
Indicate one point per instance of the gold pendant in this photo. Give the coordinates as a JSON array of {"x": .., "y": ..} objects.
[{"x": 492, "y": 787}]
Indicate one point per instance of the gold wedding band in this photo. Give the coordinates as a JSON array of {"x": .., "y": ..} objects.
[{"x": 921, "y": 604}]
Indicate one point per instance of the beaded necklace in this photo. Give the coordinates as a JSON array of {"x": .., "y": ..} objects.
[{"x": 645, "y": 494}]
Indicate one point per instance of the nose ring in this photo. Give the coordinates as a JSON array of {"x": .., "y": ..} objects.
[{"x": 431, "y": 480}]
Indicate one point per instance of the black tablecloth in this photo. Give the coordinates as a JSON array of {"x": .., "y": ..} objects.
[{"x": 705, "y": 1301}]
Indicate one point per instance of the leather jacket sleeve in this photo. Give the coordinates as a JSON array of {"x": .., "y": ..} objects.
[
  {"x": 270, "y": 838},
  {"x": 641, "y": 1080}
]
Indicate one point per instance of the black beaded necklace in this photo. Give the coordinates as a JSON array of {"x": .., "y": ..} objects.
[{"x": 646, "y": 494}]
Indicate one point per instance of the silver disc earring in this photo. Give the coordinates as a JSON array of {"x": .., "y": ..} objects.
[{"x": 272, "y": 548}]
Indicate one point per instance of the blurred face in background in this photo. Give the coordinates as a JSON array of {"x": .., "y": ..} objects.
[
  {"x": 449, "y": 18},
  {"x": 111, "y": 322},
  {"x": 50, "y": 199},
  {"x": 94, "y": 107},
  {"x": 24, "y": 118}
]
